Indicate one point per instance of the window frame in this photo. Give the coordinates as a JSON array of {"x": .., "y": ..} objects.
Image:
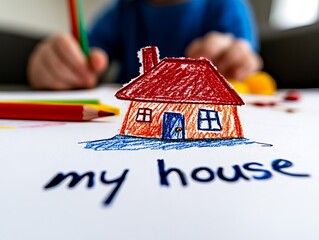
[
  {"x": 144, "y": 113},
  {"x": 209, "y": 120}
]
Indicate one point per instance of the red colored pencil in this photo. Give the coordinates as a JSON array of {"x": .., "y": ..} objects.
[
  {"x": 51, "y": 112},
  {"x": 74, "y": 19}
]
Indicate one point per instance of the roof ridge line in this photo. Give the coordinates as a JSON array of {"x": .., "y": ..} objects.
[{"x": 183, "y": 59}]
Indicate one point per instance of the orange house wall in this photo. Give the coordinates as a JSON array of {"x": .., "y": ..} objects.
[{"x": 229, "y": 119}]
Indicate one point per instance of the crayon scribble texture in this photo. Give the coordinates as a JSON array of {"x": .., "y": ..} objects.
[
  {"x": 179, "y": 99},
  {"x": 134, "y": 143},
  {"x": 177, "y": 103}
]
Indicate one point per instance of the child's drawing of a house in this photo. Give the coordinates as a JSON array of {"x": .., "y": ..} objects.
[{"x": 180, "y": 99}]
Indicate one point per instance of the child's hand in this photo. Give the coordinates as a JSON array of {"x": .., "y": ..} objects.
[
  {"x": 234, "y": 58},
  {"x": 58, "y": 63}
]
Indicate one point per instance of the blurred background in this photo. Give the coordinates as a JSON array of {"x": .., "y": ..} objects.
[{"x": 288, "y": 30}]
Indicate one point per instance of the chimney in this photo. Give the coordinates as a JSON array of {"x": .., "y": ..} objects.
[{"x": 149, "y": 58}]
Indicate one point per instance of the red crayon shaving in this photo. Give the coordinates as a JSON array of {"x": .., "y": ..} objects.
[
  {"x": 274, "y": 105},
  {"x": 292, "y": 95},
  {"x": 264, "y": 104}
]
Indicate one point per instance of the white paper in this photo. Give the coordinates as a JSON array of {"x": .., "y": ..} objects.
[{"x": 280, "y": 207}]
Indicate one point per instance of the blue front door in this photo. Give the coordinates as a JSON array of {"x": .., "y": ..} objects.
[{"x": 173, "y": 126}]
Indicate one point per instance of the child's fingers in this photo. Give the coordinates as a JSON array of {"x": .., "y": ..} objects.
[
  {"x": 233, "y": 58},
  {"x": 193, "y": 50},
  {"x": 45, "y": 80},
  {"x": 71, "y": 54},
  {"x": 58, "y": 63},
  {"x": 98, "y": 60},
  {"x": 215, "y": 44},
  {"x": 233, "y": 55},
  {"x": 38, "y": 75},
  {"x": 60, "y": 71},
  {"x": 239, "y": 61},
  {"x": 247, "y": 67},
  {"x": 211, "y": 46}
]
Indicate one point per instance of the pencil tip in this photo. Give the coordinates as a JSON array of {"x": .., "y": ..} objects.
[{"x": 105, "y": 114}]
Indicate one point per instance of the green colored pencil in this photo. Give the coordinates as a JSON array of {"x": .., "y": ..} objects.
[{"x": 83, "y": 34}]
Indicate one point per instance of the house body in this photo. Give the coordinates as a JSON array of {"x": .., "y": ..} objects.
[{"x": 178, "y": 99}]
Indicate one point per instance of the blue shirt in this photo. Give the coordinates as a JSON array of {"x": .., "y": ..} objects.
[{"x": 129, "y": 25}]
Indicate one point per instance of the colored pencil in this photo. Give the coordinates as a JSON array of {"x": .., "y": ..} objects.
[
  {"x": 54, "y": 112},
  {"x": 94, "y": 103},
  {"x": 57, "y": 101},
  {"x": 74, "y": 19},
  {"x": 77, "y": 25},
  {"x": 83, "y": 34},
  {"x": 106, "y": 108}
]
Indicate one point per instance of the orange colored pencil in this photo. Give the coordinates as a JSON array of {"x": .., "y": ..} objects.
[{"x": 51, "y": 112}]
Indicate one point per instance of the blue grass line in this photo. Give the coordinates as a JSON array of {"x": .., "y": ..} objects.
[{"x": 129, "y": 143}]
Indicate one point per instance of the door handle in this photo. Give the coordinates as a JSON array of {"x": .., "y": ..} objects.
[{"x": 178, "y": 129}]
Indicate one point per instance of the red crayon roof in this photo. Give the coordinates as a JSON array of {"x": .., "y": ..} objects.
[{"x": 181, "y": 80}]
